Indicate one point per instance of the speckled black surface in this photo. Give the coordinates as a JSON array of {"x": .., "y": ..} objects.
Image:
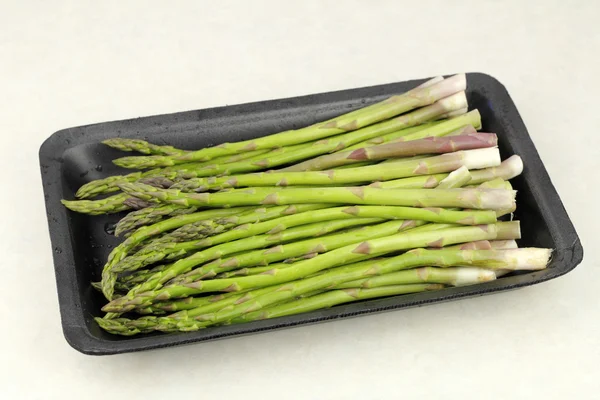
[{"x": 80, "y": 244}]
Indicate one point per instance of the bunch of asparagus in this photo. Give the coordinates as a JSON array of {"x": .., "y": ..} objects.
[{"x": 401, "y": 196}]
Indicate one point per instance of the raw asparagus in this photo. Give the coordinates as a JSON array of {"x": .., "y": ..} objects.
[
  {"x": 109, "y": 277},
  {"x": 148, "y": 216},
  {"x": 341, "y": 141},
  {"x": 343, "y": 255},
  {"x": 248, "y": 306},
  {"x": 398, "y": 149},
  {"x": 508, "y": 169},
  {"x": 350, "y": 122},
  {"x": 109, "y": 205},
  {"x": 142, "y": 146},
  {"x": 169, "y": 251},
  {"x": 487, "y": 199},
  {"x": 481, "y": 158}
]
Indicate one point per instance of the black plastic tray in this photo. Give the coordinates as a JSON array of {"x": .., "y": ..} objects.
[{"x": 74, "y": 156}]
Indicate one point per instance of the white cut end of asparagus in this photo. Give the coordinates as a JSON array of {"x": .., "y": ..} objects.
[
  {"x": 430, "y": 82},
  {"x": 524, "y": 259},
  {"x": 497, "y": 199},
  {"x": 455, "y": 113},
  {"x": 454, "y": 102},
  {"x": 472, "y": 275},
  {"x": 447, "y": 87},
  {"x": 481, "y": 158},
  {"x": 503, "y": 244},
  {"x": 529, "y": 258},
  {"x": 513, "y": 166},
  {"x": 460, "y": 175}
]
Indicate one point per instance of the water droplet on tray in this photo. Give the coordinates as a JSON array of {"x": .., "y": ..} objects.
[
  {"x": 109, "y": 228},
  {"x": 98, "y": 168}
]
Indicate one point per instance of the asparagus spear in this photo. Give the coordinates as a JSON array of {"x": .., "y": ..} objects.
[
  {"x": 252, "y": 258},
  {"x": 271, "y": 224},
  {"x": 161, "y": 251},
  {"x": 350, "y": 122},
  {"x": 109, "y": 205},
  {"x": 109, "y": 184},
  {"x": 343, "y": 255},
  {"x": 398, "y": 149},
  {"x": 277, "y": 225},
  {"x": 262, "y": 298},
  {"x": 156, "y": 253},
  {"x": 454, "y": 276},
  {"x": 217, "y": 302},
  {"x": 109, "y": 276},
  {"x": 480, "y": 158},
  {"x": 492, "y": 199},
  {"x": 118, "y": 254},
  {"x": 455, "y": 113},
  {"x": 430, "y": 145},
  {"x": 332, "y": 298},
  {"x": 142, "y": 275},
  {"x": 148, "y": 216},
  {"x": 391, "y": 136},
  {"x": 142, "y": 146},
  {"x": 508, "y": 169},
  {"x": 340, "y": 141},
  {"x": 455, "y": 179},
  {"x": 250, "y": 305},
  {"x": 127, "y": 327}
]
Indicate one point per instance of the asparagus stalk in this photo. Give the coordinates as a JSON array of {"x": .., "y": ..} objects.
[
  {"x": 430, "y": 145},
  {"x": 480, "y": 158},
  {"x": 503, "y": 244},
  {"x": 312, "y": 246},
  {"x": 508, "y": 169},
  {"x": 109, "y": 277},
  {"x": 486, "y": 199},
  {"x": 455, "y": 113},
  {"x": 323, "y": 244},
  {"x": 457, "y": 178},
  {"x": 161, "y": 251},
  {"x": 262, "y": 298},
  {"x": 334, "y": 297},
  {"x": 109, "y": 205},
  {"x": 454, "y": 276},
  {"x": 277, "y": 225},
  {"x": 244, "y": 229},
  {"x": 127, "y": 327},
  {"x": 391, "y": 136},
  {"x": 217, "y": 302},
  {"x": 343, "y": 255},
  {"x": 141, "y": 276},
  {"x": 341, "y": 141},
  {"x": 148, "y": 216},
  {"x": 109, "y": 184},
  {"x": 142, "y": 146},
  {"x": 246, "y": 306},
  {"x": 350, "y": 122}
]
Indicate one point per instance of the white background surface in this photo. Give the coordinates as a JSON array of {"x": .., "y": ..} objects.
[{"x": 65, "y": 64}]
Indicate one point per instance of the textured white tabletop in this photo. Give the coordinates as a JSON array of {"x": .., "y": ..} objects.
[{"x": 70, "y": 63}]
